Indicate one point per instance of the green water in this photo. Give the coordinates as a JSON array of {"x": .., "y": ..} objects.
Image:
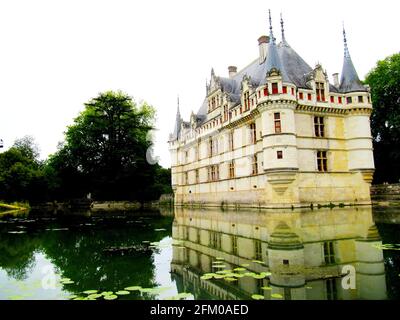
[{"x": 281, "y": 255}]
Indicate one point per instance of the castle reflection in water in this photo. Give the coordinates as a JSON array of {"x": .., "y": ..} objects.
[{"x": 303, "y": 251}]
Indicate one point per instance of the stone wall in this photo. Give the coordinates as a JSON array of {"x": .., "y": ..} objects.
[{"x": 388, "y": 192}]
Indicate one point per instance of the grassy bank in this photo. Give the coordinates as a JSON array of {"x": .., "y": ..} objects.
[{"x": 15, "y": 206}]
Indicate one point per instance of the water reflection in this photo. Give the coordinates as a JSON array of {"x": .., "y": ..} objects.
[{"x": 303, "y": 254}]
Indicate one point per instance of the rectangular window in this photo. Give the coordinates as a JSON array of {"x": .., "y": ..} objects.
[
  {"x": 225, "y": 113},
  {"x": 265, "y": 91},
  {"x": 279, "y": 154},
  {"x": 197, "y": 176},
  {"x": 259, "y": 94},
  {"x": 319, "y": 126},
  {"x": 277, "y": 122},
  {"x": 349, "y": 100},
  {"x": 214, "y": 173},
  {"x": 186, "y": 156},
  {"x": 292, "y": 91},
  {"x": 246, "y": 101},
  {"x": 340, "y": 100},
  {"x": 253, "y": 133},
  {"x": 320, "y": 90},
  {"x": 309, "y": 96},
  {"x": 254, "y": 165},
  {"x": 210, "y": 147},
  {"x": 257, "y": 250},
  {"x": 332, "y": 99},
  {"x": 231, "y": 141},
  {"x": 331, "y": 290},
  {"x": 215, "y": 240},
  {"x": 234, "y": 245},
  {"x": 322, "y": 161},
  {"x": 284, "y": 89},
  {"x": 231, "y": 169},
  {"x": 274, "y": 88},
  {"x": 329, "y": 253},
  {"x": 360, "y": 99},
  {"x": 301, "y": 96},
  {"x": 186, "y": 179}
]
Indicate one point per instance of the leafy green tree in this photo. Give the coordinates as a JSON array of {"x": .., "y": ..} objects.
[
  {"x": 105, "y": 151},
  {"x": 21, "y": 172},
  {"x": 384, "y": 81}
]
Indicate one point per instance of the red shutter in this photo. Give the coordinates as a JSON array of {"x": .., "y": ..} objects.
[{"x": 284, "y": 88}]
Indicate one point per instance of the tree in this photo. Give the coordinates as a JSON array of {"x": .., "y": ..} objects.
[
  {"x": 21, "y": 173},
  {"x": 384, "y": 81},
  {"x": 105, "y": 150}
]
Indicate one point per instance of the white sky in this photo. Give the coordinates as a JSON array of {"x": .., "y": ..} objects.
[{"x": 56, "y": 55}]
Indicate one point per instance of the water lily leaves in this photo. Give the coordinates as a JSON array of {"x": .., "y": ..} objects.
[
  {"x": 90, "y": 291},
  {"x": 258, "y": 276},
  {"x": 107, "y": 293},
  {"x": 219, "y": 276},
  {"x": 245, "y": 265},
  {"x": 223, "y": 271},
  {"x": 266, "y": 288},
  {"x": 230, "y": 279},
  {"x": 308, "y": 287},
  {"x": 72, "y": 296},
  {"x": 79, "y": 298},
  {"x": 239, "y": 269},
  {"x": 160, "y": 229},
  {"x": 16, "y": 232},
  {"x": 110, "y": 297},
  {"x": 276, "y": 295},
  {"x": 249, "y": 274},
  {"x": 238, "y": 275},
  {"x": 205, "y": 277},
  {"x": 133, "y": 288},
  {"x": 219, "y": 266},
  {"x": 122, "y": 292},
  {"x": 94, "y": 296},
  {"x": 266, "y": 274},
  {"x": 257, "y": 297},
  {"x": 219, "y": 258}
]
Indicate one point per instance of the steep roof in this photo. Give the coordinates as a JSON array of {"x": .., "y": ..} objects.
[{"x": 349, "y": 81}]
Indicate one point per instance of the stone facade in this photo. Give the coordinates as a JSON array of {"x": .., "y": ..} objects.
[{"x": 276, "y": 134}]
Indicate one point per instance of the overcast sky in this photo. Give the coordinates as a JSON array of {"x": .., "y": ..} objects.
[{"x": 56, "y": 55}]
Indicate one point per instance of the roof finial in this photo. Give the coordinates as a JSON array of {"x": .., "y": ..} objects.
[
  {"x": 270, "y": 28},
  {"x": 346, "y": 49},
  {"x": 283, "y": 30}
]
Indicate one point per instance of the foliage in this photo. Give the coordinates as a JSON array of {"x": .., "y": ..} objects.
[
  {"x": 104, "y": 153},
  {"x": 21, "y": 173},
  {"x": 384, "y": 81}
]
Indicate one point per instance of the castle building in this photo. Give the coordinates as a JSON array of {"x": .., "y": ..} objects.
[{"x": 276, "y": 134}]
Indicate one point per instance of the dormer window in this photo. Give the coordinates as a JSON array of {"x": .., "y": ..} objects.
[
  {"x": 265, "y": 91},
  {"x": 320, "y": 89},
  {"x": 292, "y": 91},
  {"x": 332, "y": 99},
  {"x": 349, "y": 100},
  {"x": 301, "y": 96},
  {"x": 284, "y": 89},
  {"x": 246, "y": 101},
  {"x": 360, "y": 99},
  {"x": 340, "y": 100},
  {"x": 274, "y": 88}
]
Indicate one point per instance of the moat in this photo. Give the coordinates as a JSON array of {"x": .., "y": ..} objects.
[{"x": 336, "y": 254}]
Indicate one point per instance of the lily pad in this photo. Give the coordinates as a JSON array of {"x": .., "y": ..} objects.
[
  {"x": 79, "y": 298},
  {"x": 90, "y": 291},
  {"x": 245, "y": 265},
  {"x": 230, "y": 279},
  {"x": 122, "y": 292},
  {"x": 219, "y": 266},
  {"x": 258, "y": 276},
  {"x": 266, "y": 288},
  {"x": 94, "y": 296},
  {"x": 257, "y": 297},
  {"x": 110, "y": 297},
  {"x": 219, "y": 258},
  {"x": 204, "y": 277},
  {"x": 133, "y": 288},
  {"x": 107, "y": 293},
  {"x": 239, "y": 269},
  {"x": 276, "y": 295}
]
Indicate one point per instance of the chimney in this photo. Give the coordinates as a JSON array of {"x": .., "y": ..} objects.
[
  {"x": 232, "y": 71},
  {"x": 336, "y": 79},
  {"x": 263, "y": 47}
]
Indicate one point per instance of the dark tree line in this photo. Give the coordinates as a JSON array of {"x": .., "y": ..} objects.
[{"x": 105, "y": 154}]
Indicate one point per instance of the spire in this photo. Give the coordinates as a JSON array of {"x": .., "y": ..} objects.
[
  {"x": 271, "y": 34},
  {"x": 177, "y": 128},
  {"x": 272, "y": 61},
  {"x": 283, "y": 31},
  {"x": 346, "y": 49},
  {"x": 349, "y": 81}
]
